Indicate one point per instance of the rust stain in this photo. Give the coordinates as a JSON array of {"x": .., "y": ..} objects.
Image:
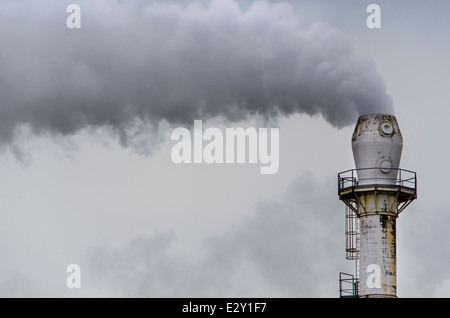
[{"x": 371, "y": 122}]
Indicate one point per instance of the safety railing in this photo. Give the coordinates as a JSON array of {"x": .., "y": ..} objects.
[
  {"x": 348, "y": 286},
  {"x": 376, "y": 177}
]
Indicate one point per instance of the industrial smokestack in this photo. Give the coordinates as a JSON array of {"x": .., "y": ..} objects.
[{"x": 376, "y": 192}]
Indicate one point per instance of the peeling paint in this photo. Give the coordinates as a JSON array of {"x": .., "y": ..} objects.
[
  {"x": 377, "y": 246},
  {"x": 377, "y": 209},
  {"x": 377, "y": 198}
]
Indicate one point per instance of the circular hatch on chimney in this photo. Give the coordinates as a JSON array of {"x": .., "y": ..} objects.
[{"x": 386, "y": 128}]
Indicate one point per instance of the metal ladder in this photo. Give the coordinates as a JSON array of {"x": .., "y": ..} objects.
[{"x": 352, "y": 240}]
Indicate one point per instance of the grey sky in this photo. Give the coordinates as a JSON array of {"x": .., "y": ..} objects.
[{"x": 137, "y": 224}]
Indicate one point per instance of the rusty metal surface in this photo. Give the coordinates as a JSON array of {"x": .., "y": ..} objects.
[
  {"x": 377, "y": 146},
  {"x": 370, "y": 124},
  {"x": 378, "y": 246},
  {"x": 373, "y": 148}
]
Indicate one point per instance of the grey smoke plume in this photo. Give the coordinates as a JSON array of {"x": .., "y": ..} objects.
[{"x": 146, "y": 61}]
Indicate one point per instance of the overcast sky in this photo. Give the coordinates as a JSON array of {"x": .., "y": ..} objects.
[{"x": 86, "y": 117}]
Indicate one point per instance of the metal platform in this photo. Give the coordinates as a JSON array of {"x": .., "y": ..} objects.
[{"x": 403, "y": 187}]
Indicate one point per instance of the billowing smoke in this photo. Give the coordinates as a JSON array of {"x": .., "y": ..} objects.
[{"x": 147, "y": 62}]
